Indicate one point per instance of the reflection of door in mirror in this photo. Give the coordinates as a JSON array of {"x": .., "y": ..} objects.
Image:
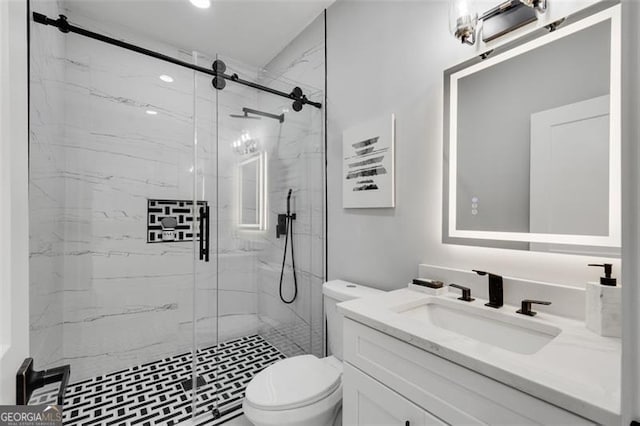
[{"x": 569, "y": 173}]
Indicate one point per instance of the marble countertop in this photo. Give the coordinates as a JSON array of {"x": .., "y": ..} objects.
[{"x": 578, "y": 370}]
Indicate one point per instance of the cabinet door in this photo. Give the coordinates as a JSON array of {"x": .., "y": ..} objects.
[{"x": 367, "y": 402}]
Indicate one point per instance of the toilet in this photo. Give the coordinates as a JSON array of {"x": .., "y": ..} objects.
[{"x": 305, "y": 390}]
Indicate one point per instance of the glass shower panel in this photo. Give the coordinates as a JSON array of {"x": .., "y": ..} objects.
[
  {"x": 205, "y": 314},
  {"x": 296, "y": 165},
  {"x": 264, "y": 150},
  {"x": 111, "y": 223}
]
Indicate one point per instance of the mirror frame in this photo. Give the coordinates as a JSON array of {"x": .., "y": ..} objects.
[
  {"x": 261, "y": 186},
  {"x": 526, "y": 43}
]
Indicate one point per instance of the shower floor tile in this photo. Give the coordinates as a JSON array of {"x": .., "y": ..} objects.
[{"x": 151, "y": 394}]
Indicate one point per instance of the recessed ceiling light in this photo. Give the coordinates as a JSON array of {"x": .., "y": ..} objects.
[
  {"x": 202, "y": 4},
  {"x": 166, "y": 78},
  {"x": 151, "y": 112}
]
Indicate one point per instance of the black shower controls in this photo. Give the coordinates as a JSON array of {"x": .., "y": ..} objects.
[
  {"x": 281, "y": 226},
  {"x": 285, "y": 223}
]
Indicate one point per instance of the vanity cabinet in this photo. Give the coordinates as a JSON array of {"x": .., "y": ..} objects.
[{"x": 387, "y": 381}]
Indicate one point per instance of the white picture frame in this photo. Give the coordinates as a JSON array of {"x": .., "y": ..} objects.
[{"x": 368, "y": 164}]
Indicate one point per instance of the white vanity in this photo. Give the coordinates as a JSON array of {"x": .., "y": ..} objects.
[{"x": 416, "y": 359}]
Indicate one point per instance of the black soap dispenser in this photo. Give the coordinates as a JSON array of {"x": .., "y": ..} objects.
[{"x": 607, "y": 279}]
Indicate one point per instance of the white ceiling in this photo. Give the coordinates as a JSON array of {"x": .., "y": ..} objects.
[{"x": 252, "y": 31}]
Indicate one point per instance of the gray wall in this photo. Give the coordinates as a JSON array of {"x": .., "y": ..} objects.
[
  {"x": 386, "y": 57},
  {"x": 494, "y": 116},
  {"x": 631, "y": 210}
]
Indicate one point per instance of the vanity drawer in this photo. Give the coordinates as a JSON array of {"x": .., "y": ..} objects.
[
  {"x": 367, "y": 402},
  {"x": 453, "y": 393}
]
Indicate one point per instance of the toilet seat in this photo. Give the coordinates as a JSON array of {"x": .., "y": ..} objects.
[{"x": 293, "y": 383}]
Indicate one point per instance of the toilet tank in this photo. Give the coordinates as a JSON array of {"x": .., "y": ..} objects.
[{"x": 334, "y": 292}]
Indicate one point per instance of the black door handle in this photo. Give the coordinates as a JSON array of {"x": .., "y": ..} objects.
[
  {"x": 207, "y": 242},
  {"x": 201, "y": 239},
  {"x": 28, "y": 380},
  {"x": 204, "y": 233}
]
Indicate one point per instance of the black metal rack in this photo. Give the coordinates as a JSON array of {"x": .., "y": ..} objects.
[{"x": 217, "y": 70}]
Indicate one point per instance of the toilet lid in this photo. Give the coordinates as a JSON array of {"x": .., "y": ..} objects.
[{"x": 292, "y": 383}]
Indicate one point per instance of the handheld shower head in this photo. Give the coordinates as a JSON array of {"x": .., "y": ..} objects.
[{"x": 289, "y": 202}]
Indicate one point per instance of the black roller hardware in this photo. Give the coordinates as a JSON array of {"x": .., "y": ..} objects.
[{"x": 217, "y": 70}]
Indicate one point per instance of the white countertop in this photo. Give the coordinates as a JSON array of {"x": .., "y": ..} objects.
[{"x": 578, "y": 370}]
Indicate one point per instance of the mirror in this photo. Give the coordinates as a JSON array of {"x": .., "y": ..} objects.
[
  {"x": 251, "y": 199},
  {"x": 532, "y": 143}
]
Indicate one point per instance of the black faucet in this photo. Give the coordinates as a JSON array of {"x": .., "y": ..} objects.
[{"x": 495, "y": 289}]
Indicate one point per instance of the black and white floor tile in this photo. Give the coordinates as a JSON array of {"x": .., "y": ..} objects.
[{"x": 152, "y": 394}]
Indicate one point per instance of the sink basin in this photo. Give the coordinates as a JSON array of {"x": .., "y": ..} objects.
[{"x": 520, "y": 335}]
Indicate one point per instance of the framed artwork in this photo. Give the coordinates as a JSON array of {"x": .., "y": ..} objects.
[{"x": 368, "y": 165}]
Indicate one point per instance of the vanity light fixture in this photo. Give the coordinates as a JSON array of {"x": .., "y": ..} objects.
[
  {"x": 496, "y": 22},
  {"x": 166, "y": 78},
  {"x": 201, "y": 4},
  {"x": 463, "y": 20}
]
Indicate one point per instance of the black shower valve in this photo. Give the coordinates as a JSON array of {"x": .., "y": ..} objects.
[{"x": 281, "y": 226}]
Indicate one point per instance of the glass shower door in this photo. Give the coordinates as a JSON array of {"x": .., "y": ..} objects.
[
  {"x": 114, "y": 222},
  {"x": 255, "y": 156}
]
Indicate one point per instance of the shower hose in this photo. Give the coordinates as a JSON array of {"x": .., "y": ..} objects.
[{"x": 289, "y": 230}]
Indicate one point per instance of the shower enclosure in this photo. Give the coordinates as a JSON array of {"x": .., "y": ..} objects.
[{"x": 154, "y": 200}]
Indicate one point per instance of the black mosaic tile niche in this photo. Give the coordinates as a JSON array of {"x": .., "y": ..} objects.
[{"x": 160, "y": 212}]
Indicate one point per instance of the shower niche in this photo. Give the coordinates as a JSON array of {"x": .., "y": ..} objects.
[{"x": 172, "y": 220}]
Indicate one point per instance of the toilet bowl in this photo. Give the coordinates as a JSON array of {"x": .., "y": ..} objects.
[{"x": 305, "y": 390}]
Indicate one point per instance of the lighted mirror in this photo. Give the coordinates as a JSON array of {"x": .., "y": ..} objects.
[
  {"x": 532, "y": 143},
  {"x": 252, "y": 187}
]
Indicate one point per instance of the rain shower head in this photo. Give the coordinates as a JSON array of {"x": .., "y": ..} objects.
[
  {"x": 245, "y": 115},
  {"x": 247, "y": 111}
]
